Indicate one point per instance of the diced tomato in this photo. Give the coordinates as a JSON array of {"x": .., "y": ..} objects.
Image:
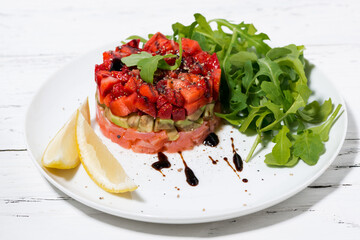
[
  {"x": 202, "y": 57},
  {"x": 159, "y": 44},
  {"x": 192, "y": 93},
  {"x": 129, "y": 48},
  {"x": 172, "y": 74},
  {"x": 122, "y": 75},
  {"x": 194, "y": 78},
  {"x": 133, "y": 43},
  {"x": 130, "y": 102},
  {"x": 190, "y": 47},
  {"x": 192, "y": 107},
  {"x": 185, "y": 76},
  {"x": 177, "y": 84},
  {"x": 108, "y": 99},
  {"x": 161, "y": 101},
  {"x": 165, "y": 111},
  {"x": 212, "y": 62},
  {"x": 106, "y": 86},
  {"x": 135, "y": 73},
  {"x": 174, "y": 97},
  {"x": 178, "y": 113},
  {"x": 205, "y": 84},
  {"x": 144, "y": 105},
  {"x": 119, "y": 108},
  {"x": 118, "y": 90},
  {"x": 216, "y": 75},
  {"x": 100, "y": 75},
  {"x": 149, "y": 91},
  {"x": 161, "y": 86},
  {"x": 131, "y": 85},
  {"x": 100, "y": 67},
  {"x": 108, "y": 57},
  {"x": 187, "y": 60}
]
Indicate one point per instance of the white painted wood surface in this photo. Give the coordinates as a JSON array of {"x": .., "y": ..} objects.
[{"x": 39, "y": 37}]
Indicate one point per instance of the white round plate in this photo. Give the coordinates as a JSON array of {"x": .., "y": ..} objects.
[{"x": 220, "y": 194}]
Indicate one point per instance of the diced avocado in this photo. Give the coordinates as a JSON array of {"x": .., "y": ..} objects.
[
  {"x": 186, "y": 125},
  {"x": 196, "y": 115},
  {"x": 163, "y": 124},
  {"x": 209, "y": 111},
  {"x": 120, "y": 121},
  {"x": 146, "y": 123},
  {"x": 172, "y": 134},
  {"x": 200, "y": 121},
  {"x": 133, "y": 120}
]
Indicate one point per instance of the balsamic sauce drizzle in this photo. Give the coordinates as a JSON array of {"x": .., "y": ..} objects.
[
  {"x": 191, "y": 179},
  {"x": 238, "y": 162},
  {"x": 162, "y": 163},
  {"x": 227, "y": 161},
  {"x": 211, "y": 140},
  {"x": 213, "y": 161}
]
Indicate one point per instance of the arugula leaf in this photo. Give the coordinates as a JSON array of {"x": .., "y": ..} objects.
[
  {"x": 186, "y": 31},
  {"x": 324, "y": 129},
  {"x": 298, "y": 103},
  {"x": 260, "y": 119},
  {"x": 232, "y": 118},
  {"x": 270, "y": 160},
  {"x": 308, "y": 146},
  {"x": 314, "y": 113},
  {"x": 133, "y": 59},
  {"x": 248, "y": 74},
  {"x": 272, "y": 92},
  {"x": 252, "y": 114},
  {"x": 292, "y": 60},
  {"x": 240, "y": 58},
  {"x": 247, "y": 33},
  {"x": 148, "y": 67},
  {"x": 148, "y": 64},
  {"x": 275, "y": 109},
  {"x": 238, "y": 100},
  {"x": 281, "y": 150},
  {"x": 143, "y": 40},
  {"x": 276, "y": 53}
]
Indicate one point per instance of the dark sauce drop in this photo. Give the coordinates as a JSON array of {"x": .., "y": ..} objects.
[
  {"x": 213, "y": 161},
  {"x": 238, "y": 162},
  {"x": 116, "y": 64},
  {"x": 211, "y": 140},
  {"x": 191, "y": 179},
  {"x": 162, "y": 163},
  {"x": 245, "y": 180}
]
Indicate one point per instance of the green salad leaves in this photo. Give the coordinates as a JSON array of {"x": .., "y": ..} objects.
[{"x": 263, "y": 90}]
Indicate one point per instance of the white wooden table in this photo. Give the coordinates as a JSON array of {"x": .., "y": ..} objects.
[{"x": 38, "y": 37}]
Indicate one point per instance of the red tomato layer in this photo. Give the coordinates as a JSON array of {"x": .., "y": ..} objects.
[{"x": 174, "y": 94}]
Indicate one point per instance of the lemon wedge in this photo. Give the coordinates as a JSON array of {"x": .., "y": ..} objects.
[
  {"x": 98, "y": 162},
  {"x": 61, "y": 151}
]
